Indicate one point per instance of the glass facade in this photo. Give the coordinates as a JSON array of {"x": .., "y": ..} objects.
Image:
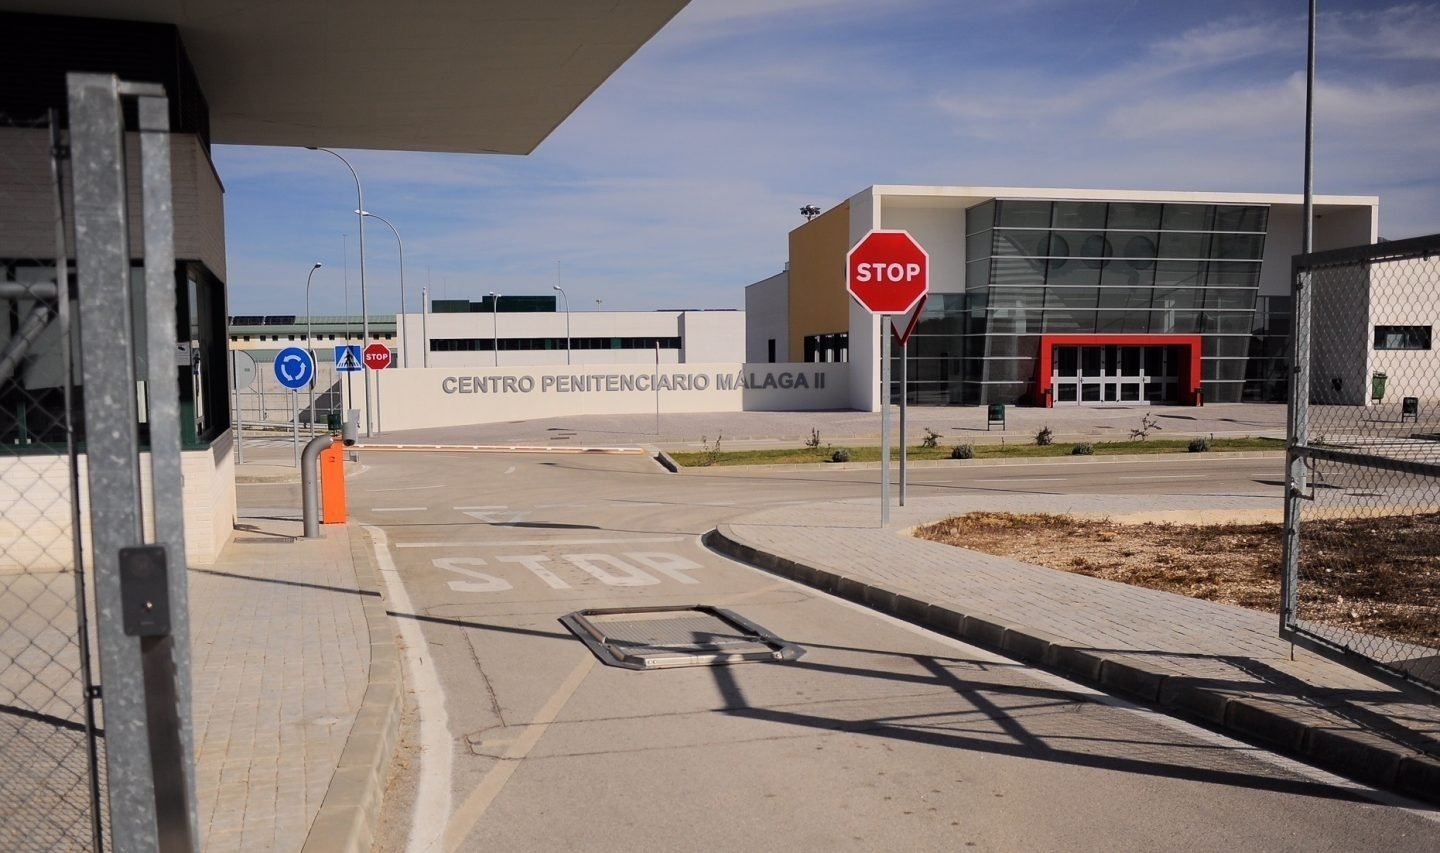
[{"x": 1092, "y": 268}]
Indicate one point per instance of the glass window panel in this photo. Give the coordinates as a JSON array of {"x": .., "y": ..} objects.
[
  {"x": 1079, "y": 244},
  {"x": 1245, "y": 247},
  {"x": 1027, "y": 244},
  {"x": 1186, "y": 217},
  {"x": 1174, "y": 322},
  {"x": 1080, "y": 214},
  {"x": 1171, "y": 273},
  {"x": 1139, "y": 248},
  {"x": 1069, "y": 322},
  {"x": 1017, "y": 297},
  {"x": 1180, "y": 244},
  {"x": 1017, "y": 272},
  {"x": 1125, "y": 297},
  {"x": 978, "y": 245},
  {"x": 1072, "y": 272},
  {"x": 1023, "y": 214},
  {"x": 1117, "y": 273},
  {"x": 1133, "y": 215},
  {"x": 1231, "y": 217},
  {"x": 1154, "y": 361},
  {"x": 1071, "y": 297},
  {"x": 980, "y": 217},
  {"x": 1227, "y": 298},
  {"x": 1067, "y": 360},
  {"x": 1123, "y": 322},
  {"x": 1234, "y": 274},
  {"x": 1229, "y": 322},
  {"x": 1229, "y": 347}
]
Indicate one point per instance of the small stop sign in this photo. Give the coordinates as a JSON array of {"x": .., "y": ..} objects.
[
  {"x": 887, "y": 272},
  {"x": 377, "y": 356}
]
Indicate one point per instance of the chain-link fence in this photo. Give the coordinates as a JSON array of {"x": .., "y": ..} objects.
[
  {"x": 1362, "y": 562},
  {"x": 51, "y": 753}
]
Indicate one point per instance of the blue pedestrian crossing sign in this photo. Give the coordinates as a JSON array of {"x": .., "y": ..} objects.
[
  {"x": 294, "y": 367},
  {"x": 347, "y": 359}
]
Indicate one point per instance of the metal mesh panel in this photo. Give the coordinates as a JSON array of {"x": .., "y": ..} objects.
[
  {"x": 1363, "y": 571},
  {"x": 49, "y": 776}
]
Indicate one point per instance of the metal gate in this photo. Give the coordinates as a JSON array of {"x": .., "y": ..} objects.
[
  {"x": 91, "y": 757},
  {"x": 1361, "y": 574}
]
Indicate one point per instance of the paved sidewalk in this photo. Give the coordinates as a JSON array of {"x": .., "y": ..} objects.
[
  {"x": 1222, "y": 665},
  {"x": 282, "y": 639}
]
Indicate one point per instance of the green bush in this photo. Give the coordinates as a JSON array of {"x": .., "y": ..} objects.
[
  {"x": 1084, "y": 448},
  {"x": 962, "y": 451},
  {"x": 1199, "y": 445},
  {"x": 841, "y": 455},
  {"x": 931, "y": 439},
  {"x": 1045, "y": 437}
]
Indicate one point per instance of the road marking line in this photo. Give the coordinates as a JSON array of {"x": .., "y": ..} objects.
[
  {"x": 479, "y": 800},
  {"x": 399, "y": 509},
  {"x": 432, "y": 793},
  {"x": 537, "y": 542},
  {"x": 1024, "y": 480},
  {"x": 510, "y": 470}
]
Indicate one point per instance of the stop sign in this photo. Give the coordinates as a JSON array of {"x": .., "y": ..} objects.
[
  {"x": 377, "y": 356},
  {"x": 887, "y": 272}
]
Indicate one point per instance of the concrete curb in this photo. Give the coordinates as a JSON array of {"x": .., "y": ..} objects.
[
  {"x": 1362, "y": 756},
  {"x": 350, "y": 812},
  {"x": 987, "y": 463}
]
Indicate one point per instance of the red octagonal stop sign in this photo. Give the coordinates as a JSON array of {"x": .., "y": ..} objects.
[
  {"x": 887, "y": 272},
  {"x": 377, "y": 356}
]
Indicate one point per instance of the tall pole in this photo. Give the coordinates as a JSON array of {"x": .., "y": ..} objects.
[
  {"x": 1308, "y": 245},
  {"x": 404, "y": 358},
  {"x": 364, "y": 303},
  {"x": 495, "y": 325},
  {"x": 566, "y": 300},
  {"x": 904, "y": 404},
  {"x": 884, "y": 420},
  {"x": 425, "y": 326},
  {"x": 310, "y": 344}
]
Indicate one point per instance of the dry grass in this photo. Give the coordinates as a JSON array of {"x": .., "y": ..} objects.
[{"x": 1377, "y": 576}]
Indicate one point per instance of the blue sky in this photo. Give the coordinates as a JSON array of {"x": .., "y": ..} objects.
[{"x": 676, "y": 183}]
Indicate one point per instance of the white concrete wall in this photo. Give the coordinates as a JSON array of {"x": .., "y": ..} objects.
[
  {"x": 415, "y": 399},
  {"x": 712, "y": 337},
  {"x": 767, "y": 318},
  {"x": 1407, "y": 293},
  {"x": 864, "y": 349},
  {"x": 940, "y": 231},
  {"x": 36, "y": 531}
]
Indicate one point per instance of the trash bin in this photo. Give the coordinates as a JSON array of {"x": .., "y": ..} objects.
[
  {"x": 1377, "y": 385},
  {"x": 334, "y": 422}
]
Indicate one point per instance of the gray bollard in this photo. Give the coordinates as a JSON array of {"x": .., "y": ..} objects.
[{"x": 310, "y": 483}]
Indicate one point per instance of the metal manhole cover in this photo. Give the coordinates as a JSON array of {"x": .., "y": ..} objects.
[{"x": 661, "y": 637}]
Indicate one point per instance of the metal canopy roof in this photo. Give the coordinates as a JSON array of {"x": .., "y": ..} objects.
[{"x": 432, "y": 75}]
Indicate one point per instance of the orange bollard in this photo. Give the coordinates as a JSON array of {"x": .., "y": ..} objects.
[{"x": 332, "y": 484}]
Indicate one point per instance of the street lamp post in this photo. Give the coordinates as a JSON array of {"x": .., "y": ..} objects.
[
  {"x": 404, "y": 356},
  {"x": 495, "y": 326},
  {"x": 567, "y": 321},
  {"x": 310, "y": 343},
  {"x": 364, "y": 304}
]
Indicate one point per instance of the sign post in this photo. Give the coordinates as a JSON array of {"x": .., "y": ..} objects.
[
  {"x": 294, "y": 368},
  {"x": 903, "y": 336},
  {"x": 887, "y": 272},
  {"x": 377, "y": 357}
]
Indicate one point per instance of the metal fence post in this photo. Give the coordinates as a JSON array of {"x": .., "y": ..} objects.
[{"x": 1297, "y": 426}]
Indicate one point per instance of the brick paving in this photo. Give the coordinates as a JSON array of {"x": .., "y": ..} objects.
[
  {"x": 1227, "y": 651},
  {"x": 281, "y": 655}
]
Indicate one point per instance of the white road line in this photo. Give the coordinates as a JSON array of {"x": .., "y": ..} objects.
[
  {"x": 432, "y": 794},
  {"x": 1024, "y": 480},
  {"x": 399, "y": 509},
  {"x": 510, "y": 470},
  {"x": 505, "y": 543},
  {"x": 1164, "y": 477}
]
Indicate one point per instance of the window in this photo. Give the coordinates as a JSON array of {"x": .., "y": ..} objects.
[
  {"x": 771, "y": 350},
  {"x": 1402, "y": 337}
]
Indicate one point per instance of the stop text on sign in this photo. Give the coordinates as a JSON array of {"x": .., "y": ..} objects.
[{"x": 880, "y": 271}]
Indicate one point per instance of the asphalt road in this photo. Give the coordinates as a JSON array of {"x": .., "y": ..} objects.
[{"x": 880, "y": 737}]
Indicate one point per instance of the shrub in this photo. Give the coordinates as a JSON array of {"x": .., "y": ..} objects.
[
  {"x": 1199, "y": 445},
  {"x": 1084, "y": 448},
  {"x": 1045, "y": 437},
  {"x": 813, "y": 442},
  {"x": 841, "y": 455},
  {"x": 962, "y": 451},
  {"x": 931, "y": 439}
]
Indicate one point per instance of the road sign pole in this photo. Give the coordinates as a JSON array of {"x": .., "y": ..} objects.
[
  {"x": 295, "y": 416},
  {"x": 904, "y": 372},
  {"x": 884, "y": 420},
  {"x": 235, "y": 385}
]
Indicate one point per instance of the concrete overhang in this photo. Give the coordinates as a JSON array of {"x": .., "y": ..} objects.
[{"x": 434, "y": 75}]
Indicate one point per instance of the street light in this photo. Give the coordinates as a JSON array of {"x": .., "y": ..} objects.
[
  {"x": 404, "y": 357},
  {"x": 495, "y": 326},
  {"x": 310, "y": 343},
  {"x": 364, "y": 304},
  {"x": 567, "y": 320}
]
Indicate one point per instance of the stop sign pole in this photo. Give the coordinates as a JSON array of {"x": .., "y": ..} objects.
[
  {"x": 376, "y": 357},
  {"x": 888, "y": 273}
]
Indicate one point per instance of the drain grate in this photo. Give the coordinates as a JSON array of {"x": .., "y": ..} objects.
[{"x": 663, "y": 637}]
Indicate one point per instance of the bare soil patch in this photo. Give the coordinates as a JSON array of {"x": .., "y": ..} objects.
[{"x": 1378, "y": 576}]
